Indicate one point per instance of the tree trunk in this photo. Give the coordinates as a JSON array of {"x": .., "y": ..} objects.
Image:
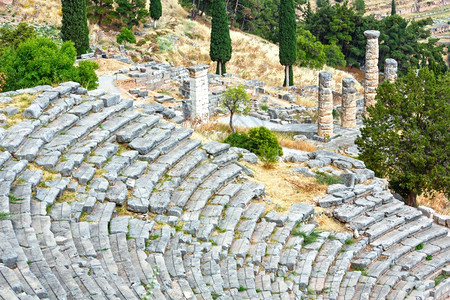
[
  {"x": 231, "y": 122},
  {"x": 243, "y": 22},
  {"x": 219, "y": 64},
  {"x": 286, "y": 69},
  {"x": 193, "y": 13},
  {"x": 154, "y": 24},
  {"x": 412, "y": 199},
  {"x": 234, "y": 15},
  {"x": 100, "y": 19}
]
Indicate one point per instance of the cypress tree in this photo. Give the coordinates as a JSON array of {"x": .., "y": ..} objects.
[
  {"x": 288, "y": 46},
  {"x": 220, "y": 45},
  {"x": 74, "y": 25},
  {"x": 393, "y": 9},
  {"x": 155, "y": 11}
]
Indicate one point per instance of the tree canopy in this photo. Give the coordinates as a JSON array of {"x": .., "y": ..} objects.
[
  {"x": 74, "y": 25},
  {"x": 155, "y": 10},
  {"x": 287, "y": 39},
  {"x": 405, "y": 136},
  {"x": 220, "y": 45},
  {"x": 235, "y": 100}
]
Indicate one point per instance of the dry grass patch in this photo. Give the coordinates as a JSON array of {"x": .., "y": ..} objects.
[
  {"x": 122, "y": 210},
  {"x": 66, "y": 197},
  {"x": 22, "y": 102},
  {"x": 283, "y": 187},
  {"x": 439, "y": 203},
  {"x": 286, "y": 140},
  {"x": 327, "y": 223}
]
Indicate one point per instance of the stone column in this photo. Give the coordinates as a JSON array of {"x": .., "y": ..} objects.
[
  {"x": 390, "y": 70},
  {"x": 198, "y": 82},
  {"x": 348, "y": 118},
  {"x": 371, "y": 74},
  {"x": 325, "y": 120}
]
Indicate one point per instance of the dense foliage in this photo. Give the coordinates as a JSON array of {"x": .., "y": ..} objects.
[
  {"x": 399, "y": 38},
  {"x": 100, "y": 11},
  {"x": 131, "y": 12},
  {"x": 12, "y": 37},
  {"x": 126, "y": 35},
  {"x": 74, "y": 25},
  {"x": 259, "y": 140},
  {"x": 313, "y": 54},
  {"x": 155, "y": 10},
  {"x": 117, "y": 12},
  {"x": 406, "y": 136},
  {"x": 220, "y": 45},
  {"x": 287, "y": 41},
  {"x": 38, "y": 61},
  {"x": 235, "y": 100}
]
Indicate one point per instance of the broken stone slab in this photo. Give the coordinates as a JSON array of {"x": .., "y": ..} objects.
[
  {"x": 347, "y": 212},
  {"x": 117, "y": 193},
  {"x": 150, "y": 140},
  {"x": 84, "y": 173},
  {"x": 329, "y": 201},
  {"x": 215, "y": 148},
  {"x": 29, "y": 149},
  {"x": 159, "y": 202},
  {"x": 110, "y": 99}
]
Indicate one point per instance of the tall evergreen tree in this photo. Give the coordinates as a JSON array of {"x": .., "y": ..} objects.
[
  {"x": 132, "y": 12},
  {"x": 220, "y": 46},
  {"x": 74, "y": 25},
  {"x": 393, "y": 9},
  {"x": 100, "y": 11},
  {"x": 288, "y": 46},
  {"x": 155, "y": 11}
]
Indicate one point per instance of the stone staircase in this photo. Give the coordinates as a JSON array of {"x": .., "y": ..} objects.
[{"x": 100, "y": 198}]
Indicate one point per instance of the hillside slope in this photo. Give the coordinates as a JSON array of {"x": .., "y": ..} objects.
[{"x": 253, "y": 57}]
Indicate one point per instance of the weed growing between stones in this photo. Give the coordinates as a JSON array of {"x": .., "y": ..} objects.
[
  {"x": 5, "y": 216},
  {"x": 439, "y": 279},
  {"x": 419, "y": 247},
  {"x": 13, "y": 199},
  {"x": 307, "y": 239},
  {"x": 327, "y": 179}
]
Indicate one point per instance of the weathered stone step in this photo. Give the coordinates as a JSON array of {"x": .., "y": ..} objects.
[{"x": 396, "y": 236}]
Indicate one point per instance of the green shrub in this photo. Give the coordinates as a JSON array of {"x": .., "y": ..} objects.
[
  {"x": 126, "y": 35},
  {"x": 38, "y": 61},
  {"x": 264, "y": 107},
  {"x": 240, "y": 140},
  {"x": 10, "y": 37},
  {"x": 264, "y": 143},
  {"x": 86, "y": 75}
]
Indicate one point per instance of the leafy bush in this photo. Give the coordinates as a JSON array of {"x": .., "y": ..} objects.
[
  {"x": 260, "y": 141},
  {"x": 38, "y": 61},
  {"x": 85, "y": 74},
  {"x": 263, "y": 142},
  {"x": 10, "y": 37},
  {"x": 126, "y": 35},
  {"x": 264, "y": 107},
  {"x": 240, "y": 140}
]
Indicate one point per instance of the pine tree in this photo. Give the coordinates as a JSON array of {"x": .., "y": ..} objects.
[
  {"x": 220, "y": 47},
  {"x": 74, "y": 25},
  {"x": 405, "y": 137},
  {"x": 155, "y": 11},
  {"x": 393, "y": 9},
  {"x": 288, "y": 47}
]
